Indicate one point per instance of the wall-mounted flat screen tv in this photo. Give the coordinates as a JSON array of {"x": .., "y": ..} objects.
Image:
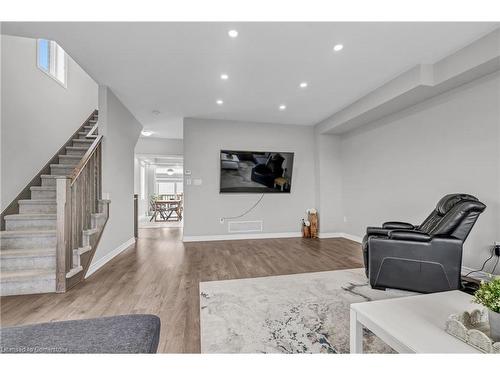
[{"x": 255, "y": 171}]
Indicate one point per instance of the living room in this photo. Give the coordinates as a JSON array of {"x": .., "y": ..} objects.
[{"x": 316, "y": 186}]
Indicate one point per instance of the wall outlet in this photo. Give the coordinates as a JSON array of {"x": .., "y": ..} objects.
[
  {"x": 221, "y": 220},
  {"x": 497, "y": 249}
]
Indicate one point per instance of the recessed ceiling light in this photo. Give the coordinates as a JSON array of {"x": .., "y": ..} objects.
[
  {"x": 224, "y": 76},
  {"x": 146, "y": 133},
  {"x": 232, "y": 33},
  {"x": 282, "y": 107},
  {"x": 220, "y": 102},
  {"x": 338, "y": 47},
  {"x": 303, "y": 85}
]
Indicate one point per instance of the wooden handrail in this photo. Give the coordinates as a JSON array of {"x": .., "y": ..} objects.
[{"x": 83, "y": 162}]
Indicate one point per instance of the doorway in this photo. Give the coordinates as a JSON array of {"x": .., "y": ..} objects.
[{"x": 160, "y": 191}]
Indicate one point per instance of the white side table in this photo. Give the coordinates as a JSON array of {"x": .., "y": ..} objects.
[{"x": 411, "y": 324}]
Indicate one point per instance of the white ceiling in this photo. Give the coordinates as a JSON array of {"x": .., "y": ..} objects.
[{"x": 175, "y": 67}]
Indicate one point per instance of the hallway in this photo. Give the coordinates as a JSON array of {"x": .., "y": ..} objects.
[{"x": 160, "y": 275}]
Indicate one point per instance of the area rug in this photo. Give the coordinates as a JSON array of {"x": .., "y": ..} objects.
[{"x": 301, "y": 313}]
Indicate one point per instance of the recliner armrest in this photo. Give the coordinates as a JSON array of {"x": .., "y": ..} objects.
[
  {"x": 409, "y": 235},
  {"x": 397, "y": 225},
  {"x": 377, "y": 231}
]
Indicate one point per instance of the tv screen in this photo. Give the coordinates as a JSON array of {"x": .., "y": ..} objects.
[{"x": 255, "y": 171}]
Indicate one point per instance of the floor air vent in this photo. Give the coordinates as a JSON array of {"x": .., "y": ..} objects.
[{"x": 244, "y": 226}]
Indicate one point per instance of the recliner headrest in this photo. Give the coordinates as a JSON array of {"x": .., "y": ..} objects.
[
  {"x": 456, "y": 215},
  {"x": 446, "y": 203}
]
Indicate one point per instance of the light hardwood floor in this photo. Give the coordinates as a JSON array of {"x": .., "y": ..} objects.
[{"x": 160, "y": 275}]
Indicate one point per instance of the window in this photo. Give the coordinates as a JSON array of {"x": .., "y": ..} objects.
[
  {"x": 165, "y": 188},
  {"x": 179, "y": 187},
  {"x": 52, "y": 60}
]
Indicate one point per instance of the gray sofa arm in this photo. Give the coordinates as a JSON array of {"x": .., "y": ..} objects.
[
  {"x": 409, "y": 235},
  {"x": 397, "y": 225}
]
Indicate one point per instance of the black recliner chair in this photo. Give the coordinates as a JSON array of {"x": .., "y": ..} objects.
[
  {"x": 265, "y": 174},
  {"x": 426, "y": 258}
]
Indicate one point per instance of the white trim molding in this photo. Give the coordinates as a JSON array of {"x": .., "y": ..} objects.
[
  {"x": 341, "y": 235},
  {"x": 241, "y": 236},
  {"x": 106, "y": 258},
  {"x": 253, "y": 236}
]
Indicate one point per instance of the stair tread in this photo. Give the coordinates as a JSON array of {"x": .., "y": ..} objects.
[
  {"x": 38, "y": 201},
  {"x": 63, "y": 165},
  {"x": 44, "y": 188},
  {"x": 76, "y": 148},
  {"x": 70, "y": 156},
  {"x": 83, "y": 140},
  {"x": 27, "y": 274},
  {"x": 14, "y": 253},
  {"x": 32, "y": 232},
  {"x": 53, "y": 176},
  {"x": 30, "y": 216}
]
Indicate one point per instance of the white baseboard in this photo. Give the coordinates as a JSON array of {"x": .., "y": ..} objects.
[
  {"x": 251, "y": 236},
  {"x": 106, "y": 258},
  {"x": 340, "y": 235},
  {"x": 241, "y": 236}
]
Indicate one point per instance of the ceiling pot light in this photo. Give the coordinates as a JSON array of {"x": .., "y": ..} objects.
[
  {"x": 338, "y": 47},
  {"x": 224, "y": 77},
  {"x": 146, "y": 133},
  {"x": 303, "y": 85},
  {"x": 282, "y": 107},
  {"x": 220, "y": 102},
  {"x": 232, "y": 33}
]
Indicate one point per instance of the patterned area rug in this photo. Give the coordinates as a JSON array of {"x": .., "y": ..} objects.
[{"x": 302, "y": 313}]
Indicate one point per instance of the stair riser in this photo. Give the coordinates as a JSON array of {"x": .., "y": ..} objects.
[
  {"x": 30, "y": 224},
  {"x": 75, "y": 152},
  {"x": 64, "y": 159},
  {"x": 48, "y": 181},
  {"x": 98, "y": 221},
  {"x": 28, "y": 242},
  {"x": 28, "y": 262},
  {"x": 43, "y": 194},
  {"x": 37, "y": 208},
  {"x": 81, "y": 143},
  {"x": 61, "y": 171},
  {"x": 37, "y": 285}
]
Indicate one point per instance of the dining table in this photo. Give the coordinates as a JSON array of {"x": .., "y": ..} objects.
[{"x": 172, "y": 205}]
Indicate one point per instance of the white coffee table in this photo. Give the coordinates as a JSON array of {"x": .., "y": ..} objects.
[{"x": 411, "y": 324}]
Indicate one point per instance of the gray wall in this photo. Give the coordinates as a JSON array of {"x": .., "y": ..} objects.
[
  {"x": 38, "y": 114},
  {"x": 203, "y": 140},
  {"x": 159, "y": 146},
  {"x": 121, "y": 131},
  {"x": 328, "y": 183},
  {"x": 398, "y": 168}
]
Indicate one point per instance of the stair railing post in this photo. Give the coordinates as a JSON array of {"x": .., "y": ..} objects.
[{"x": 63, "y": 234}]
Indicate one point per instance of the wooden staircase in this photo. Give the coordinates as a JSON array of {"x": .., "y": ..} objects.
[{"x": 51, "y": 230}]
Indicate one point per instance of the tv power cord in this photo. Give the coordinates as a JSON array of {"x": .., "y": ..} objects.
[
  {"x": 222, "y": 219},
  {"x": 494, "y": 252}
]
